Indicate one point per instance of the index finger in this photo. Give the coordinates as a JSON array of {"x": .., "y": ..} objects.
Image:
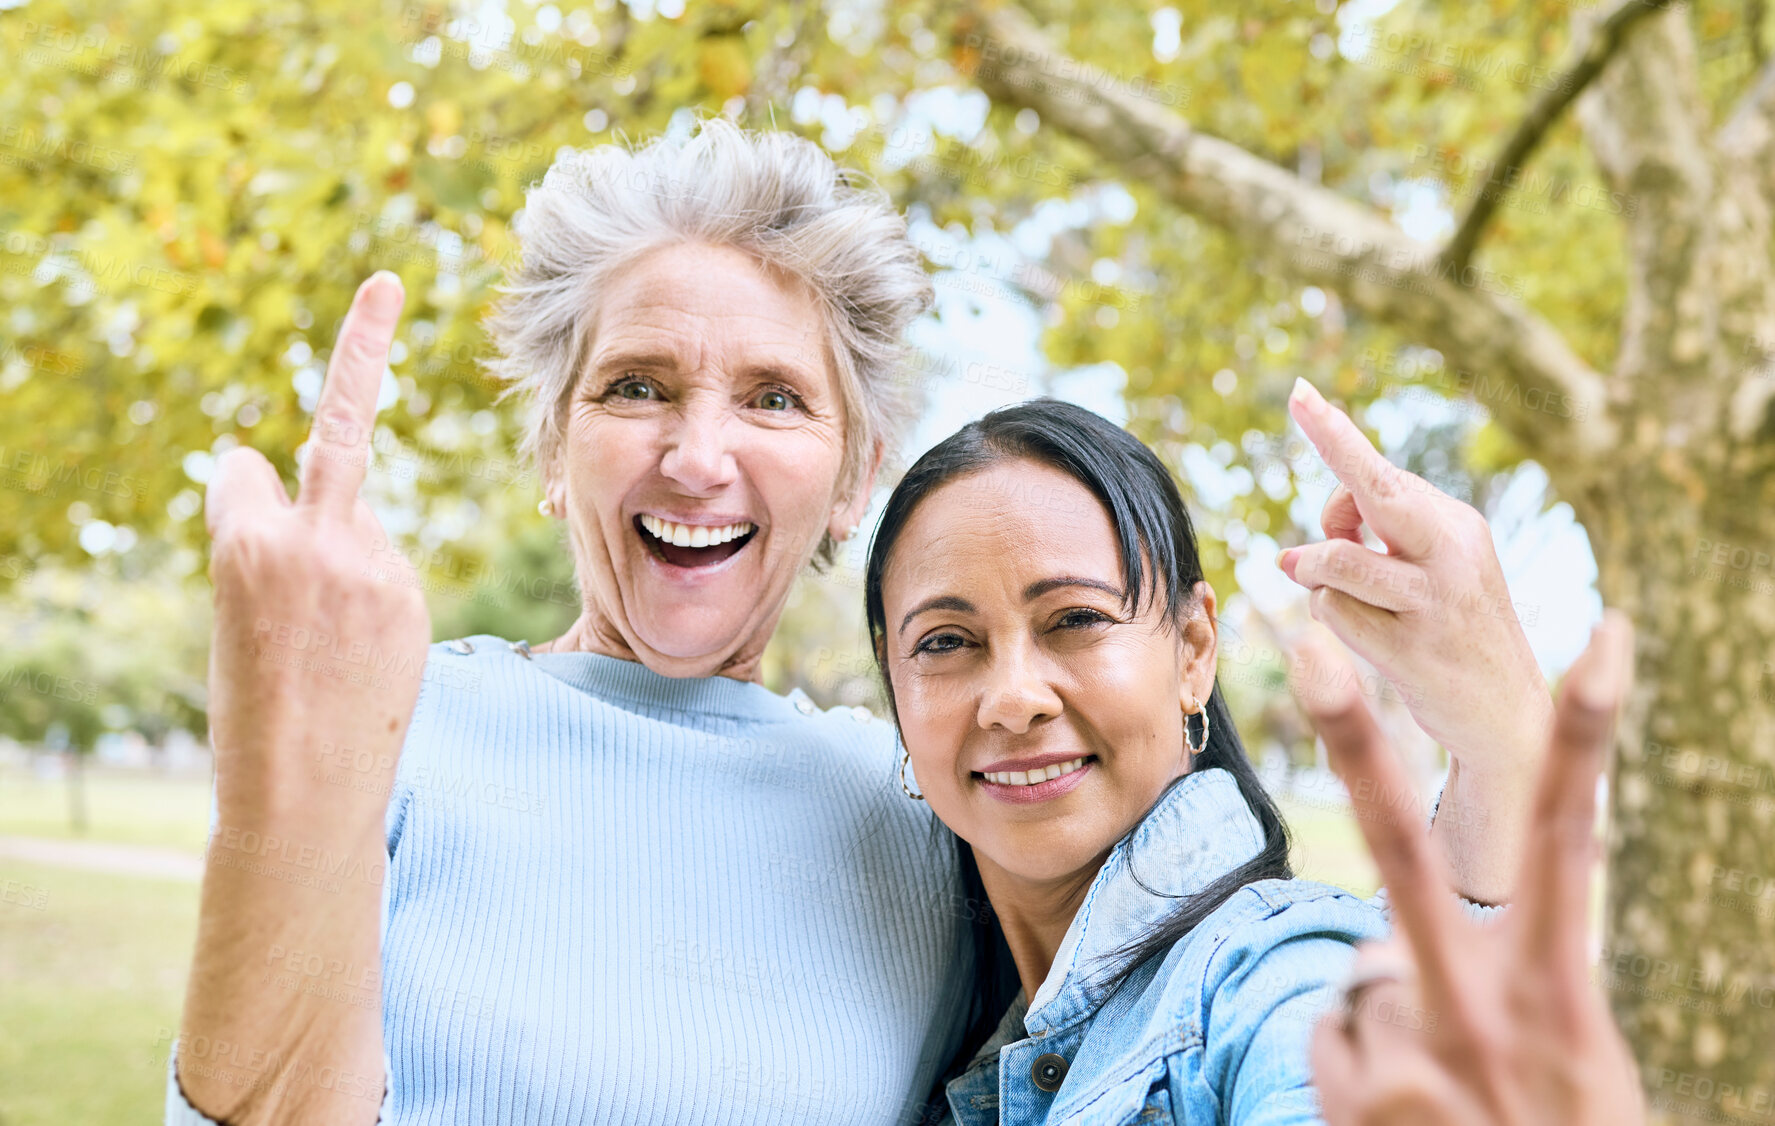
[
  {"x": 1385, "y": 494},
  {"x": 339, "y": 443},
  {"x": 1387, "y": 810},
  {"x": 1555, "y": 883}
]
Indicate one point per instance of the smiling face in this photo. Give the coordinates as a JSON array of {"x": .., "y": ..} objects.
[
  {"x": 1010, "y": 650},
  {"x": 701, "y": 459}
]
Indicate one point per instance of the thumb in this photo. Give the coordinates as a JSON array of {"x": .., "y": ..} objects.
[{"x": 243, "y": 481}]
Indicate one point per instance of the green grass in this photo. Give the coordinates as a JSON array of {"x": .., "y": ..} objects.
[
  {"x": 124, "y": 806},
  {"x": 91, "y": 983},
  {"x": 1328, "y": 846}
]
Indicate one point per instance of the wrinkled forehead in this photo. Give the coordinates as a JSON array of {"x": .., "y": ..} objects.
[{"x": 692, "y": 298}]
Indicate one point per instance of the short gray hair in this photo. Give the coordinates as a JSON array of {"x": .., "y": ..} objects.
[{"x": 776, "y": 196}]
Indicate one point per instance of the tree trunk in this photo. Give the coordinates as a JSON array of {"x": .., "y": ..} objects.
[
  {"x": 1690, "y": 916},
  {"x": 74, "y": 770}
]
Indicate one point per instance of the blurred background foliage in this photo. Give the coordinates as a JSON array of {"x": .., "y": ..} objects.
[{"x": 190, "y": 194}]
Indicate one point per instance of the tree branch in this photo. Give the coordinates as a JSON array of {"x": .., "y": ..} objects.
[
  {"x": 1591, "y": 52},
  {"x": 1647, "y": 125},
  {"x": 1548, "y": 398},
  {"x": 1746, "y": 148},
  {"x": 1749, "y": 134}
]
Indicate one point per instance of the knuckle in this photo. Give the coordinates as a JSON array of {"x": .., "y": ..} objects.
[
  {"x": 334, "y": 425},
  {"x": 1347, "y": 558},
  {"x": 1387, "y": 481},
  {"x": 240, "y": 542}
]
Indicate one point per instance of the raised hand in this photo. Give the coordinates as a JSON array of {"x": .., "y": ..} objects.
[
  {"x": 320, "y": 642},
  {"x": 1451, "y": 1022},
  {"x": 315, "y": 617},
  {"x": 1432, "y": 613}
]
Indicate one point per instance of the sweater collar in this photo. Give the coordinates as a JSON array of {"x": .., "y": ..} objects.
[{"x": 633, "y": 683}]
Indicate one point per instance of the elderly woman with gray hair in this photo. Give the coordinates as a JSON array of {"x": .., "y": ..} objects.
[{"x": 613, "y": 877}]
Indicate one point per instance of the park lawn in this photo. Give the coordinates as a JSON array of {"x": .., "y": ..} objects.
[
  {"x": 123, "y": 806},
  {"x": 92, "y": 977},
  {"x": 1328, "y": 846}
]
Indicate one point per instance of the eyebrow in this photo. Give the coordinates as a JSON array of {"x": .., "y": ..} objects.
[
  {"x": 786, "y": 369},
  {"x": 941, "y": 602},
  {"x": 1030, "y": 593},
  {"x": 1037, "y": 589},
  {"x": 603, "y": 365}
]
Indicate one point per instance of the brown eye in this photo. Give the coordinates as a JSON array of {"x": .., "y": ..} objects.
[
  {"x": 771, "y": 399},
  {"x": 941, "y": 643},
  {"x": 635, "y": 389},
  {"x": 1073, "y": 619}
]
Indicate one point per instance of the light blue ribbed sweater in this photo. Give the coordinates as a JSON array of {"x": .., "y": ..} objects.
[{"x": 614, "y": 896}]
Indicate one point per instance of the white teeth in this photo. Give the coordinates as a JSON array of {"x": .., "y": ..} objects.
[
  {"x": 692, "y": 535},
  {"x": 1031, "y": 777}
]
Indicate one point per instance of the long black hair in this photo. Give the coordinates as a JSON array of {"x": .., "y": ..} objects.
[{"x": 1151, "y": 525}]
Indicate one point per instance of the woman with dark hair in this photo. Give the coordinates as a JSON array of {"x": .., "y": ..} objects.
[{"x": 1048, "y": 643}]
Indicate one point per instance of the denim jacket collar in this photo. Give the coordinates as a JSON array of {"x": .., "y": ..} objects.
[{"x": 1200, "y": 830}]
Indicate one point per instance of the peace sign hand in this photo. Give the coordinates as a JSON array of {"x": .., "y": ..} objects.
[{"x": 1450, "y": 1022}]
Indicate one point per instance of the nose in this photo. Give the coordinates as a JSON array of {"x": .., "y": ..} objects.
[
  {"x": 697, "y": 456},
  {"x": 1016, "y": 694}
]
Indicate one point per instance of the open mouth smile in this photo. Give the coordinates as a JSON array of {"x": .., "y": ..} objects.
[
  {"x": 1038, "y": 783},
  {"x": 693, "y": 545}
]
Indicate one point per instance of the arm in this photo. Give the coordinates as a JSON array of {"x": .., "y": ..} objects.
[
  {"x": 1267, "y": 986},
  {"x": 314, "y": 665},
  {"x": 1433, "y": 614}
]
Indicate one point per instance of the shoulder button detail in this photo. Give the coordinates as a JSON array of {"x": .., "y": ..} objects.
[
  {"x": 862, "y": 714},
  {"x": 1048, "y": 1071},
  {"x": 804, "y": 705},
  {"x": 521, "y": 648},
  {"x": 462, "y": 647}
]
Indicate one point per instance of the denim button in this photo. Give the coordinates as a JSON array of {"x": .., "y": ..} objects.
[{"x": 1048, "y": 1072}]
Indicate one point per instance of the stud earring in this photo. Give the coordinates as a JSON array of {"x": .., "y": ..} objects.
[
  {"x": 546, "y": 506},
  {"x": 854, "y": 529}
]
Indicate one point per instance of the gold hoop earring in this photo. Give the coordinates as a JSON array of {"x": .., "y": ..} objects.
[
  {"x": 1194, "y": 749},
  {"x": 905, "y": 761}
]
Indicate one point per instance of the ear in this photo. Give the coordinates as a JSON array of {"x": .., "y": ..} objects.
[
  {"x": 1198, "y": 644},
  {"x": 554, "y": 485},
  {"x": 849, "y": 510}
]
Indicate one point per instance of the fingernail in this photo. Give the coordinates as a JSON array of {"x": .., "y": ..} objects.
[
  {"x": 1305, "y": 393},
  {"x": 1599, "y": 677},
  {"x": 1284, "y": 556},
  {"x": 1319, "y": 676},
  {"x": 385, "y": 289}
]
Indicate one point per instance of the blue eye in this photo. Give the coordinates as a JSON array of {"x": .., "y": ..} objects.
[{"x": 775, "y": 400}]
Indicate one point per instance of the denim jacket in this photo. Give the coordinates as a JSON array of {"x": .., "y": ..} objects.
[{"x": 1214, "y": 1030}]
